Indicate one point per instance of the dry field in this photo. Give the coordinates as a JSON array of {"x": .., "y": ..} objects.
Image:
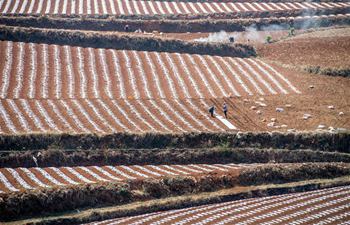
[
  {"x": 123, "y": 7},
  {"x": 55, "y": 89},
  {"x": 108, "y": 91},
  {"x": 20, "y": 179},
  {"x": 59, "y": 93},
  {"x": 29, "y": 69},
  {"x": 329, "y": 206},
  {"x": 327, "y": 48}
]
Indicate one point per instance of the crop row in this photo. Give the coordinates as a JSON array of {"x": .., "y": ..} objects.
[
  {"x": 32, "y": 178},
  {"x": 143, "y": 7},
  {"x": 327, "y": 206},
  {"x": 56, "y": 72}
]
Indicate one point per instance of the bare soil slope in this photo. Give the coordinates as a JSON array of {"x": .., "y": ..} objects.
[{"x": 327, "y": 48}]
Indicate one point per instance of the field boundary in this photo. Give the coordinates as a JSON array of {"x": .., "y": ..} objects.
[
  {"x": 314, "y": 69},
  {"x": 167, "y": 25},
  {"x": 328, "y": 71},
  {"x": 220, "y": 155},
  {"x": 125, "y": 42},
  {"x": 304, "y": 140}
]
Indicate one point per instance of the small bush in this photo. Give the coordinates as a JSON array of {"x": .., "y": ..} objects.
[{"x": 268, "y": 39}]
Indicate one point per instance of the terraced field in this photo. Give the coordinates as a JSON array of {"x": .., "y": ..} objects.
[
  {"x": 124, "y": 7},
  {"x": 57, "y": 72},
  {"x": 51, "y": 88},
  {"x": 126, "y": 135},
  {"x": 18, "y": 179},
  {"x": 328, "y": 206},
  {"x": 106, "y": 116}
]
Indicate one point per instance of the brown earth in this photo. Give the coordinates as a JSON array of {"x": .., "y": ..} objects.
[
  {"x": 161, "y": 10},
  {"x": 325, "y": 48},
  {"x": 313, "y": 101},
  {"x": 135, "y": 172},
  {"x": 327, "y": 91},
  {"x": 143, "y": 108}
]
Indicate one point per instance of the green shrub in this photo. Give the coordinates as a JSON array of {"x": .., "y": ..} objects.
[{"x": 268, "y": 39}]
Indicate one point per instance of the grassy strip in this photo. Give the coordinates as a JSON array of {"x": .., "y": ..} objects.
[
  {"x": 117, "y": 41},
  {"x": 57, "y": 158},
  {"x": 138, "y": 208},
  {"x": 305, "y": 140},
  {"x": 341, "y": 72},
  {"x": 178, "y": 24},
  {"x": 44, "y": 201}
]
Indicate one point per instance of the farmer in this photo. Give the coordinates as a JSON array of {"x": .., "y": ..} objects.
[
  {"x": 211, "y": 111},
  {"x": 225, "y": 109},
  {"x": 291, "y": 31},
  {"x": 126, "y": 28}
]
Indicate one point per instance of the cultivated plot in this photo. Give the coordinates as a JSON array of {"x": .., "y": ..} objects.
[
  {"x": 40, "y": 71},
  {"x": 144, "y": 7},
  {"x": 74, "y": 116},
  {"x": 17, "y": 179},
  {"x": 327, "y": 206}
]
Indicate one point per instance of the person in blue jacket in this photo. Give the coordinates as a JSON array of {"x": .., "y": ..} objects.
[
  {"x": 211, "y": 110},
  {"x": 225, "y": 109}
]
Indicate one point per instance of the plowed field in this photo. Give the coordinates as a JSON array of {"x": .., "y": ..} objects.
[
  {"x": 32, "y": 178},
  {"x": 328, "y": 206},
  {"x": 126, "y": 7},
  {"x": 328, "y": 48},
  {"x": 57, "y": 72},
  {"x": 109, "y": 116},
  {"x": 59, "y": 89},
  {"x": 51, "y": 88}
]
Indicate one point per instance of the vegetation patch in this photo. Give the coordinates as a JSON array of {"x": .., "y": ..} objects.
[
  {"x": 124, "y": 42},
  {"x": 341, "y": 72},
  {"x": 101, "y": 157},
  {"x": 179, "y": 24},
  {"x": 324, "y": 141}
]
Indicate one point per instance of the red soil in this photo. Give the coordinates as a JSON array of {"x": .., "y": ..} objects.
[
  {"x": 325, "y": 48},
  {"x": 130, "y": 7},
  {"x": 183, "y": 80},
  {"x": 149, "y": 172}
]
